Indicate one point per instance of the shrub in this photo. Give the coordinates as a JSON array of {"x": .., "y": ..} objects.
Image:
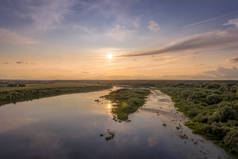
[
  {"x": 231, "y": 140},
  {"x": 213, "y": 99},
  {"x": 202, "y": 117},
  {"x": 193, "y": 112},
  {"x": 226, "y": 113},
  {"x": 213, "y": 86},
  {"x": 215, "y": 129}
]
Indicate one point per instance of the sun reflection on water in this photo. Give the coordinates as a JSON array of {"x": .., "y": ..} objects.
[{"x": 109, "y": 106}]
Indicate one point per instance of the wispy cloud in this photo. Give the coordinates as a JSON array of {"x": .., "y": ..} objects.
[
  {"x": 21, "y": 62},
  {"x": 209, "y": 40},
  {"x": 153, "y": 26},
  {"x": 232, "y": 22},
  {"x": 119, "y": 33},
  {"x": 211, "y": 19},
  {"x": 220, "y": 73},
  {"x": 82, "y": 29},
  {"x": 9, "y": 37},
  {"x": 223, "y": 73},
  {"x": 234, "y": 60},
  {"x": 46, "y": 14}
]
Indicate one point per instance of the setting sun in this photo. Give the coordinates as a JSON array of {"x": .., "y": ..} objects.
[{"x": 109, "y": 56}]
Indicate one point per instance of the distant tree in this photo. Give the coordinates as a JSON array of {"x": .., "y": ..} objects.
[
  {"x": 16, "y": 85},
  {"x": 11, "y": 85},
  {"x": 21, "y": 85},
  {"x": 213, "y": 86}
]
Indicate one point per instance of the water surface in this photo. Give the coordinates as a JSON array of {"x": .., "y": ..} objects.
[{"x": 69, "y": 127}]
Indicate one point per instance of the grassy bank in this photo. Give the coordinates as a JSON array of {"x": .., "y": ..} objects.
[
  {"x": 11, "y": 94},
  {"x": 212, "y": 108},
  {"x": 127, "y": 101}
]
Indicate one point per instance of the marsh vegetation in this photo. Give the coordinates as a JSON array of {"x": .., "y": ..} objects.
[{"x": 127, "y": 101}]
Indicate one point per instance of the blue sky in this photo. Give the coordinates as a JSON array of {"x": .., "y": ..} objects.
[{"x": 45, "y": 33}]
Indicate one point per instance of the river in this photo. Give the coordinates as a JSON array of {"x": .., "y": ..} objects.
[{"x": 76, "y": 126}]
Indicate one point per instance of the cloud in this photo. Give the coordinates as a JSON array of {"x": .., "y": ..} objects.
[
  {"x": 153, "y": 26},
  {"x": 211, "y": 19},
  {"x": 82, "y": 29},
  {"x": 45, "y": 14},
  {"x": 85, "y": 72},
  {"x": 234, "y": 60},
  {"x": 223, "y": 73},
  {"x": 9, "y": 37},
  {"x": 119, "y": 33},
  {"x": 210, "y": 40},
  {"x": 21, "y": 62},
  {"x": 232, "y": 22}
]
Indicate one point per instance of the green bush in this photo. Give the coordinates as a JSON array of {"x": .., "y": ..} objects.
[
  {"x": 213, "y": 99},
  {"x": 226, "y": 113},
  {"x": 216, "y": 130},
  {"x": 231, "y": 140},
  {"x": 202, "y": 117}
]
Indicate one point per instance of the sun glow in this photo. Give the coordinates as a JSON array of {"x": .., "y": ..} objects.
[{"x": 109, "y": 56}]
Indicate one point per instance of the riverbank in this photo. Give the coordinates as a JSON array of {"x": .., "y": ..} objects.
[
  {"x": 16, "y": 93},
  {"x": 170, "y": 123},
  {"x": 212, "y": 109}
]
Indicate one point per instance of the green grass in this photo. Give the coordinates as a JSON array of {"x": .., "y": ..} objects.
[
  {"x": 35, "y": 91},
  {"x": 127, "y": 101}
]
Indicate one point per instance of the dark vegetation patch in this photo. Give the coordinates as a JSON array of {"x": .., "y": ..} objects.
[
  {"x": 127, "y": 101},
  {"x": 16, "y": 92},
  {"x": 212, "y": 107}
]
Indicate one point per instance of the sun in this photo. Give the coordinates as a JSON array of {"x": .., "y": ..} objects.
[{"x": 109, "y": 56}]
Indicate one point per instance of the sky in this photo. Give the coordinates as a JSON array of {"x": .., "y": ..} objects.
[{"x": 147, "y": 39}]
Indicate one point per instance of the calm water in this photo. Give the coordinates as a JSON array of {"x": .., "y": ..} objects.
[{"x": 69, "y": 127}]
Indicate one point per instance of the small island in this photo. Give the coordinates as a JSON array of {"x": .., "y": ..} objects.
[{"x": 127, "y": 101}]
